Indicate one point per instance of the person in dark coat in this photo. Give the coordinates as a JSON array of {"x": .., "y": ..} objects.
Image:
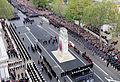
[
  {"x": 108, "y": 64},
  {"x": 38, "y": 62},
  {"x": 23, "y": 39},
  {"x": 49, "y": 41},
  {"x": 28, "y": 47},
  {"x": 57, "y": 78},
  {"x": 18, "y": 76},
  {"x": 42, "y": 68}
]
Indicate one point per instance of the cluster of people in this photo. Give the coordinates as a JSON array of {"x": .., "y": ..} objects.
[
  {"x": 86, "y": 57},
  {"x": 95, "y": 30},
  {"x": 80, "y": 73},
  {"x": 55, "y": 23},
  {"x": 23, "y": 52},
  {"x": 52, "y": 40},
  {"x": 16, "y": 67},
  {"x": 44, "y": 67},
  {"x": 23, "y": 8},
  {"x": 27, "y": 20},
  {"x": 29, "y": 9},
  {"x": 88, "y": 77},
  {"x": 33, "y": 72},
  {"x": 107, "y": 51},
  {"x": 10, "y": 48},
  {"x": 15, "y": 64},
  {"x": 17, "y": 76},
  {"x": 35, "y": 47}
]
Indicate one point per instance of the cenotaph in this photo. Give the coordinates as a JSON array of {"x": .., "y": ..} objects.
[{"x": 62, "y": 54}]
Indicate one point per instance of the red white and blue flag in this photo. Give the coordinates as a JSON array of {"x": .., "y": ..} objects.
[{"x": 60, "y": 46}]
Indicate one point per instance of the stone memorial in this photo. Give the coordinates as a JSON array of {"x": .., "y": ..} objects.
[{"x": 62, "y": 54}]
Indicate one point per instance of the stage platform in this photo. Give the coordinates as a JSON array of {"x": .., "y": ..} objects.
[{"x": 63, "y": 58}]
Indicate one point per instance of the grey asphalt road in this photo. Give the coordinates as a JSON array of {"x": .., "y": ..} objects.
[{"x": 35, "y": 31}]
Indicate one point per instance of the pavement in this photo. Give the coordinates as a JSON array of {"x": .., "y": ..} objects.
[{"x": 32, "y": 32}]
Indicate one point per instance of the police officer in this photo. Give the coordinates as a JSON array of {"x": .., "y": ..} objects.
[
  {"x": 23, "y": 39},
  {"x": 38, "y": 62},
  {"x": 28, "y": 47}
]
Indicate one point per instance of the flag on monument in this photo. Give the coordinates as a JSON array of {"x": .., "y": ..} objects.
[{"x": 60, "y": 46}]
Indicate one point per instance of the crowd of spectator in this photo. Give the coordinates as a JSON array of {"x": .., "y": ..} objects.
[
  {"x": 47, "y": 68},
  {"x": 104, "y": 50},
  {"x": 29, "y": 9},
  {"x": 10, "y": 48},
  {"x": 94, "y": 29},
  {"x": 23, "y": 8},
  {"x": 15, "y": 64},
  {"x": 107, "y": 51}
]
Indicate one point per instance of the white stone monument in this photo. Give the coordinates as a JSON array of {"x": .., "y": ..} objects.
[
  {"x": 62, "y": 54},
  {"x": 63, "y": 42}
]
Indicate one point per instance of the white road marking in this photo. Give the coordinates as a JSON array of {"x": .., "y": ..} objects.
[
  {"x": 29, "y": 39},
  {"x": 24, "y": 33},
  {"x": 100, "y": 69},
  {"x": 70, "y": 50},
  {"x": 43, "y": 29},
  {"x": 111, "y": 80},
  {"x": 27, "y": 28},
  {"x": 55, "y": 66},
  {"x": 98, "y": 76}
]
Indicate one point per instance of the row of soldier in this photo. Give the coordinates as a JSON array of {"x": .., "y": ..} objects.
[
  {"x": 14, "y": 75},
  {"x": 50, "y": 67},
  {"x": 35, "y": 75},
  {"x": 42, "y": 60},
  {"x": 27, "y": 20},
  {"x": 16, "y": 68},
  {"x": 86, "y": 78},
  {"x": 39, "y": 73},
  {"x": 15, "y": 63},
  {"x": 12, "y": 54},
  {"x": 68, "y": 72},
  {"x": 10, "y": 48},
  {"x": 35, "y": 47},
  {"x": 106, "y": 52}
]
